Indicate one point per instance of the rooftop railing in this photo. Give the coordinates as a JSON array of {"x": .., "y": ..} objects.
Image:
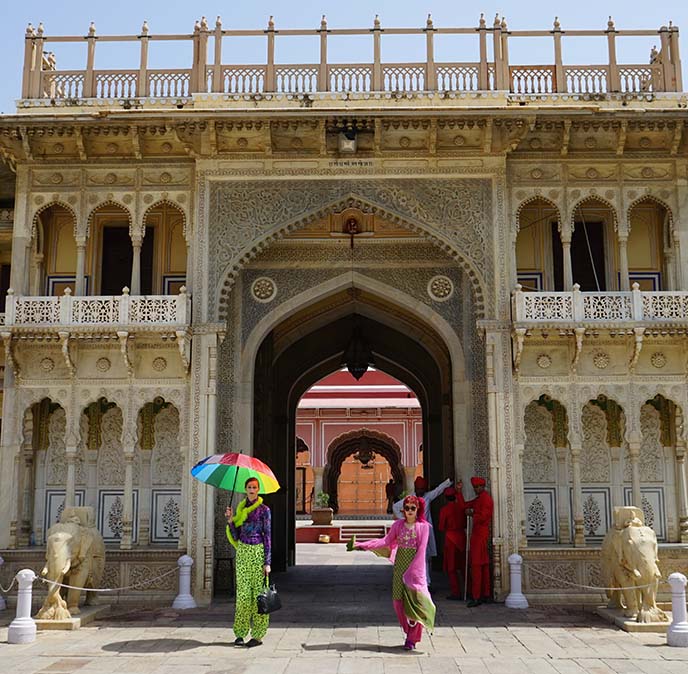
[
  {"x": 491, "y": 71},
  {"x": 599, "y": 307}
]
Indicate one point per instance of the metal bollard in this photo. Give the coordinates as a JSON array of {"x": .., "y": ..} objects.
[
  {"x": 184, "y": 599},
  {"x": 516, "y": 598},
  {"x": 22, "y": 629},
  {"x": 677, "y": 634},
  {"x": 3, "y": 603}
]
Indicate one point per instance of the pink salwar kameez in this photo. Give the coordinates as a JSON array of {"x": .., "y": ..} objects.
[{"x": 405, "y": 547}]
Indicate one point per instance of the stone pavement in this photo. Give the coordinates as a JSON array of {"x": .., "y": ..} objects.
[{"x": 337, "y": 619}]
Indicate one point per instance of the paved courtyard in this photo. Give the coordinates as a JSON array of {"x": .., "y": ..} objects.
[{"x": 337, "y": 619}]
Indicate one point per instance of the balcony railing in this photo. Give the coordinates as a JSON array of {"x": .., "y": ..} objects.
[
  {"x": 124, "y": 310},
  {"x": 599, "y": 307},
  {"x": 42, "y": 78}
]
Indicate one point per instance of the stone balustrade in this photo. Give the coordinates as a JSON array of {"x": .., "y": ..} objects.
[
  {"x": 124, "y": 310},
  {"x": 42, "y": 79},
  {"x": 599, "y": 307}
]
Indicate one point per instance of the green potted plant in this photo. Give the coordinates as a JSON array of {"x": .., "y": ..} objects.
[{"x": 321, "y": 512}]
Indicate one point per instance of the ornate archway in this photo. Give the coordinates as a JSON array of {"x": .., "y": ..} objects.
[{"x": 364, "y": 441}]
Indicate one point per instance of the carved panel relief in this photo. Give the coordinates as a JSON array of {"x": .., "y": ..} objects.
[
  {"x": 595, "y": 456},
  {"x": 167, "y": 461},
  {"x": 538, "y": 453}
]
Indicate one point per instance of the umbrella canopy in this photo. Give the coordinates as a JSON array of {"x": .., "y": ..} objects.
[{"x": 226, "y": 471}]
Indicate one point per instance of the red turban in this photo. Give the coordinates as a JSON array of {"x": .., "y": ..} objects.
[
  {"x": 449, "y": 491},
  {"x": 421, "y": 482},
  {"x": 478, "y": 482}
]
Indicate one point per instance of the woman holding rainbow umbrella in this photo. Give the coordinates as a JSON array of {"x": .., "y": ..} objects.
[{"x": 249, "y": 531}]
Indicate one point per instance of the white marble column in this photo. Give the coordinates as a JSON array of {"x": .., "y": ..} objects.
[
  {"x": 318, "y": 472},
  {"x": 616, "y": 476},
  {"x": 566, "y": 256},
  {"x": 624, "y": 281},
  {"x": 634, "y": 456},
  {"x": 521, "y": 501},
  {"x": 136, "y": 243},
  {"x": 565, "y": 525},
  {"x": 37, "y": 287},
  {"x": 80, "y": 283},
  {"x": 70, "y": 486},
  {"x": 92, "y": 479},
  {"x": 27, "y": 494}
]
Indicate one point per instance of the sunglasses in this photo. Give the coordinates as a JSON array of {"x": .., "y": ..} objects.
[{"x": 410, "y": 508}]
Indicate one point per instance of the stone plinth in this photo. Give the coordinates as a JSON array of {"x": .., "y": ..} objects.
[
  {"x": 616, "y": 616},
  {"x": 87, "y": 615}
]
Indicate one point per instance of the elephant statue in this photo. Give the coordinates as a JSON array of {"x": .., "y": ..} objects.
[
  {"x": 629, "y": 565},
  {"x": 75, "y": 555}
]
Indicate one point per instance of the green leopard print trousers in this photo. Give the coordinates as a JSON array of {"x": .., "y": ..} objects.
[{"x": 250, "y": 580}]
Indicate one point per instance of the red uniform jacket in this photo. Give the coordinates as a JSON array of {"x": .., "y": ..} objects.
[
  {"x": 453, "y": 522},
  {"x": 483, "y": 507}
]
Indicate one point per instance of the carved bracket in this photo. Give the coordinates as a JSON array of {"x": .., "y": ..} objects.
[
  {"x": 637, "y": 348},
  {"x": 517, "y": 340},
  {"x": 579, "y": 333},
  {"x": 184, "y": 344},
  {"x": 66, "y": 354},
  {"x": 9, "y": 354},
  {"x": 124, "y": 347}
]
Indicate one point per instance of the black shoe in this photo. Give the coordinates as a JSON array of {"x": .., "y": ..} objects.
[
  {"x": 253, "y": 643},
  {"x": 239, "y": 642},
  {"x": 473, "y": 603}
]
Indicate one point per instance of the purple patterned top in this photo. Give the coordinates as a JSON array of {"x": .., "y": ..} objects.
[{"x": 255, "y": 529}]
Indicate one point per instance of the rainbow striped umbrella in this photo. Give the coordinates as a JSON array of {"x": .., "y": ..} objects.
[{"x": 225, "y": 471}]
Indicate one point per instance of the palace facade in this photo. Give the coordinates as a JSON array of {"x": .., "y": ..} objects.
[{"x": 185, "y": 252}]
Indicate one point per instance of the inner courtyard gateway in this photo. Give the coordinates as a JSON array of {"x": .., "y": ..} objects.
[{"x": 187, "y": 252}]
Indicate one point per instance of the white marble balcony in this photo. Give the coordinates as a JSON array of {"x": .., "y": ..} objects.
[
  {"x": 95, "y": 311},
  {"x": 599, "y": 308}
]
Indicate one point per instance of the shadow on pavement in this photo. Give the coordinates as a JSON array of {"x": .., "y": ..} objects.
[
  {"x": 157, "y": 645},
  {"x": 344, "y": 647}
]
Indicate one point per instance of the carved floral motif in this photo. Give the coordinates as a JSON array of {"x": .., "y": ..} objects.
[{"x": 538, "y": 452}]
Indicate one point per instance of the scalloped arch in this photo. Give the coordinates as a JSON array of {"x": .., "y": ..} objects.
[
  {"x": 45, "y": 207},
  {"x": 594, "y": 197},
  {"x": 655, "y": 200},
  {"x": 531, "y": 199},
  {"x": 108, "y": 202},
  {"x": 172, "y": 204},
  {"x": 230, "y": 273},
  {"x": 361, "y": 433}
]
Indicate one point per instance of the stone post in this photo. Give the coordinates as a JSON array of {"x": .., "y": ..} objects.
[
  {"x": 377, "y": 65},
  {"x": 184, "y": 600},
  {"x": 218, "y": 83},
  {"x": 515, "y": 598},
  {"x": 142, "y": 82},
  {"x": 136, "y": 243},
  {"x": 483, "y": 77},
  {"x": 323, "y": 80},
  {"x": 430, "y": 72},
  {"x": 22, "y": 630},
  {"x": 578, "y": 528},
  {"x": 667, "y": 67},
  {"x": 89, "y": 77},
  {"x": 80, "y": 283},
  {"x": 677, "y": 633},
  {"x": 497, "y": 51},
  {"x": 614, "y": 81},
  {"x": 675, "y": 60},
  {"x": 559, "y": 79},
  {"x": 270, "y": 82}
]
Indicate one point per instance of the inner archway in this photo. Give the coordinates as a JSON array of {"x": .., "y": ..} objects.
[{"x": 310, "y": 344}]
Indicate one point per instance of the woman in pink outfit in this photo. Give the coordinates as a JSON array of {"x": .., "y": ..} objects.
[{"x": 405, "y": 546}]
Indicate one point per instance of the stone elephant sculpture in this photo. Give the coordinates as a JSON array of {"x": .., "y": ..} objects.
[
  {"x": 629, "y": 565},
  {"x": 75, "y": 555}
]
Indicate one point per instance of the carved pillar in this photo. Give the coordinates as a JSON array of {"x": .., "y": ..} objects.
[
  {"x": 145, "y": 496},
  {"x": 624, "y": 281},
  {"x": 92, "y": 479},
  {"x": 565, "y": 527},
  {"x": 682, "y": 490},
  {"x": 71, "y": 443},
  {"x": 80, "y": 284},
  {"x": 522, "y": 519},
  {"x": 669, "y": 281},
  {"x": 578, "y": 528},
  {"x": 128, "y": 442},
  {"x": 27, "y": 494},
  {"x": 318, "y": 479},
  {"x": 37, "y": 283},
  {"x": 136, "y": 243},
  {"x": 634, "y": 441},
  {"x": 566, "y": 253}
]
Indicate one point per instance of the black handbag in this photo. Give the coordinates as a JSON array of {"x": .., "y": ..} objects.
[{"x": 268, "y": 599}]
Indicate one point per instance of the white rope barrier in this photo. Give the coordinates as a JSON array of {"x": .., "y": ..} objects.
[
  {"x": 6, "y": 590},
  {"x": 107, "y": 589}
]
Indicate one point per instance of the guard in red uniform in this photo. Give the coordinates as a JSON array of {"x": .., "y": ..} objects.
[
  {"x": 453, "y": 524},
  {"x": 480, "y": 509}
]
